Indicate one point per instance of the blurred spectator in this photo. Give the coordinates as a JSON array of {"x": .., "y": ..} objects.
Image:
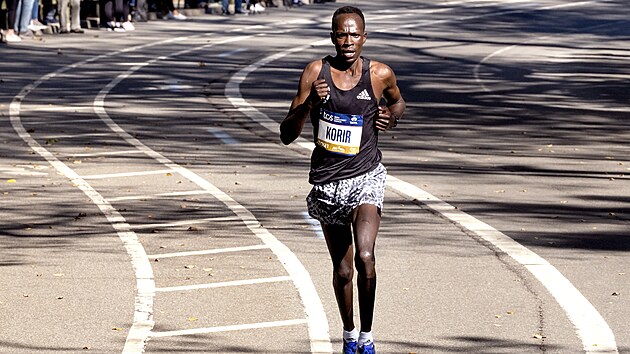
[
  {"x": 168, "y": 11},
  {"x": 35, "y": 25},
  {"x": 117, "y": 15},
  {"x": 238, "y": 7},
  {"x": 9, "y": 35},
  {"x": 50, "y": 12},
  {"x": 23, "y": 17},
  {"x": 75, "y": 21}
]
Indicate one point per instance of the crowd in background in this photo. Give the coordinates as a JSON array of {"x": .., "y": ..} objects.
[{"x": 25, "y": 19}]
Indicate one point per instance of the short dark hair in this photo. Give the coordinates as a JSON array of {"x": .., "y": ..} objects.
[{"x": 347, "y": 10}]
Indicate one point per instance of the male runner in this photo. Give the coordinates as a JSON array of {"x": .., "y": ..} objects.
[{"x": 341, "y": 94}]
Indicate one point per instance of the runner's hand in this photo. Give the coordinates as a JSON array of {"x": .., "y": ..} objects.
[
  {"x": 386, "y": 119},
  {"x": 319, "y": 91}
]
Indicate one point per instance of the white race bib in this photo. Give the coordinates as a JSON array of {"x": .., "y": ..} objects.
[{"x": 340, "y": 133}]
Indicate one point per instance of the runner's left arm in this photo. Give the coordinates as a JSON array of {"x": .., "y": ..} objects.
[{"x": 390, "y": 114}]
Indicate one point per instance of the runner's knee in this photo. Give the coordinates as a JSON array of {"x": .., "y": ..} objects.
[
  {"x": 366, "y": 263},
  {"x": 343, "y": 272}
]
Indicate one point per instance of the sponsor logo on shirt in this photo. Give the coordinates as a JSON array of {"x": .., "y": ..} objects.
[{"x": 364, "y": 95}]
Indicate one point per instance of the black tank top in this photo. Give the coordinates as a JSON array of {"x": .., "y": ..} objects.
[{"x": 344, "y": 130}]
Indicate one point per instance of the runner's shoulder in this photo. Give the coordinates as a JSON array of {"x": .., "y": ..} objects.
[
  {"x": 313, "y": 68},
  {"x": 381, "y": 70}
]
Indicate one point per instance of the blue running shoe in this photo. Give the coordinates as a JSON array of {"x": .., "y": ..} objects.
[
  {"x": 350, "y": 347},
  {"x": 368, "y": 348}
]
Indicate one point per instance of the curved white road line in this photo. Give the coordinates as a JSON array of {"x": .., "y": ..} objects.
[
  {"x": 143, "y": 323},
  {"x": 143, "y": 318},
  {"x": 591, "y": 328},
  {"x": 316, "y": 316},
  {"x": 143, "y": 272},
  {"x": 145, "y": 285}
]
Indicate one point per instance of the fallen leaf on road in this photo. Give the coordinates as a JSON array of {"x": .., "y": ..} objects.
[
  {"x": 118, "y": 329},
  {"x": 192, "y": 319}
]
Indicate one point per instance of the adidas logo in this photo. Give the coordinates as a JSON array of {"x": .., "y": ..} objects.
[{"x": 364, "y": 95}]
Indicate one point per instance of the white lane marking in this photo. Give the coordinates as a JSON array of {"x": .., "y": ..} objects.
[
  {"x": 223, "y": 136},
  {"x": 231, "y": 52},
  {"x": 197, "y": 331},
  {"x": 127, "y": 174},
  {"x": 52, "y": 108},
  {"x": 142, "y": 268},
  {"x": 593, "y": 331},
  {"x": 314, "y": 224},
  {"x": 143, "y": 313},
  {"x": 184, "y": 223},
  {"x": 591, "y": 328},
  {"x": 206, "y": 252},
  {"x": 317, "y": 322},
  {"x": 225, "y": 284},
  {"x": 145, "y": 286},
  {"x": 157, "y": 196}
]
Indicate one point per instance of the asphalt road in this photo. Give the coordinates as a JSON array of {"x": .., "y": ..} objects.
[{"x": 148, "y": 205}]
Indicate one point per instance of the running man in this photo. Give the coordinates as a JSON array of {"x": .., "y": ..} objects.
[{"x": 341, "y": 95}]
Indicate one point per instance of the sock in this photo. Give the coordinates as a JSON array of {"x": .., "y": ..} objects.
[
  {"x": 365, "y": 337},
  {"x": 350, "y": 336}
]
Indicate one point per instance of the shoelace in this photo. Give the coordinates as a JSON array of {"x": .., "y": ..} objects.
[
  {"x": 368, "y": 348},
  {"x": 349, "y": 347}
]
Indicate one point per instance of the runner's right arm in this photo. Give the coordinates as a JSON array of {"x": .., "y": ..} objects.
[{"x": 310, "y": 92}]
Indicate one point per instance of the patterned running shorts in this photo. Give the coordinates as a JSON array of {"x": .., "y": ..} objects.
[{"x": 334, "y": 202}]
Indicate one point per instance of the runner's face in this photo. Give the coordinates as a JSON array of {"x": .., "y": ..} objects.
[{"x": 348, "y": 37}]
